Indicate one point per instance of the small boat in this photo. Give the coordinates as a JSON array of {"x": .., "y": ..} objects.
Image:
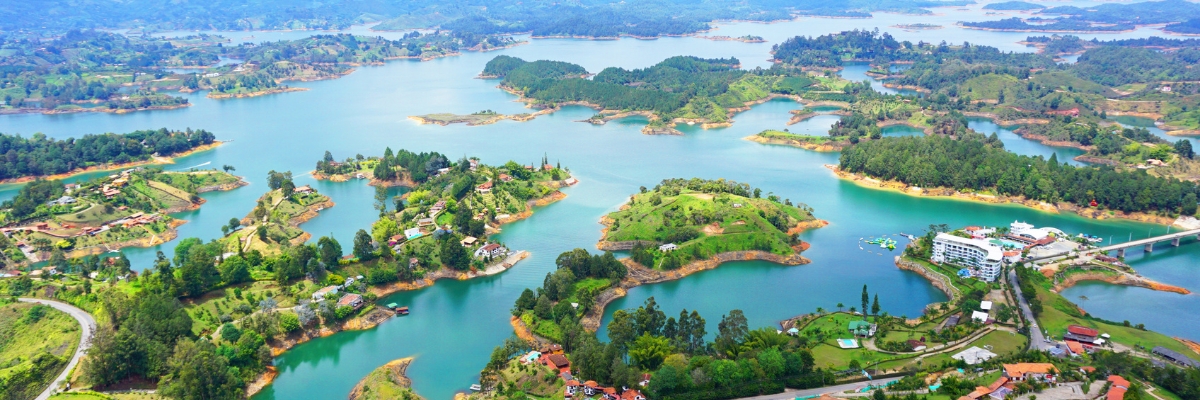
[
  {"x": 476, "y": 387},
  {"x": 402, "y": 310}
]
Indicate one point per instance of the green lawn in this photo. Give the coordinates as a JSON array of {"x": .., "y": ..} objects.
[{"x": 1058, "y": 313}]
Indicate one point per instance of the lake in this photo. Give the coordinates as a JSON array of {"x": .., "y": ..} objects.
[{"x": 455, "y": 324}]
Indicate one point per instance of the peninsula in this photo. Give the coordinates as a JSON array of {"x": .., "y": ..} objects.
[
  {"x": 40, "y": 157},
  {"x": 49, "y": 220}
]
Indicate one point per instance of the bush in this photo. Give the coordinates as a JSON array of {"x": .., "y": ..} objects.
[{"x": 289, "y": 322}]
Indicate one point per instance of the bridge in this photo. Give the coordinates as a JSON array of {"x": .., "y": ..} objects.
[{"x": 1148, "y": 244}]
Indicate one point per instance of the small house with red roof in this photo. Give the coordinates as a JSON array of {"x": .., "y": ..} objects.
[
  {"x": 1116, "y": 388},
  {"x": 1081, "y": 334}
]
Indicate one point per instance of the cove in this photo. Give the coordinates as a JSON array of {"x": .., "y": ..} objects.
[{"x": 455, "y": 324}]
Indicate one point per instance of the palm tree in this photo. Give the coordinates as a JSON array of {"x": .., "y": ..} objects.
[{"x": 840, "y": 305}]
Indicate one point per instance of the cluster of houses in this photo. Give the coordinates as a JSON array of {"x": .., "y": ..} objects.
[
  {"x": 1078, "y": 340},
  {"x": 552, "y": 356},
  {"x": 1013, "y": 374},
  {"x": 353, "y": 300}
]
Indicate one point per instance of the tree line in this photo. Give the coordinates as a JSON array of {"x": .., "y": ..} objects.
[
  {"x": 40, "y": 155},
  {"x": 973, "y": 164}
]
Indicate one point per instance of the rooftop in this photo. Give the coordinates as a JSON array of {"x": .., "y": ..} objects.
[{"x": 994, "y": 253}]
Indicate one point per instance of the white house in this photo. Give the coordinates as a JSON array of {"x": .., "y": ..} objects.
[
  {"x": 491, "y": 249},
  {"x": 320, "y": 293},
  {"x": 668, "y": 247}
]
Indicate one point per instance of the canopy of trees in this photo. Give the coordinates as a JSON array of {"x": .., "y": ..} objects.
[
  {"x": 973, "y": 164},
  {"x": 41, "y": 156}
]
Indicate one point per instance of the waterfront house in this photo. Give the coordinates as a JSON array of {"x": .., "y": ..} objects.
[
  {"x": 412, "y": 233},
  {"x": 304, "y": 190},
  {"x": 547, "y": 167},
  {"x": 668, "y": 247},
  {"x": 474, "y": 163},
  {"x": 1081, "y": 334},
  {"x": 1025, "y": 371},
  {"x": 320, "y": 293},
  {"x": 351, "y": 300},
  {"x": 572, "y": 387},
  {"x": 862, "y": 328},
  {"x": 506, "y": 178},
  {"x": 491, "y": 250},
  {"x": 1116, "y": 388},
  {"x": 557, "y": 361},
  {"x": 468, "y": 241}
]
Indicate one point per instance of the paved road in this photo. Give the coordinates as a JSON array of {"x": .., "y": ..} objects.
[
  {"x": 791, "y": 394},
  {"x": 1036, "y": 340},
  {"x": 85, "y": 340}
]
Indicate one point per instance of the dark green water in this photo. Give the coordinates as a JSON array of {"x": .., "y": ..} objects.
[{"x": 455, "y": 324}]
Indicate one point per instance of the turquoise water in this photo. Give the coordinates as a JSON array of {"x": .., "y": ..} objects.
[
  {"x": 454, "y": 324},
  {"x": 1016, "y": 144}
]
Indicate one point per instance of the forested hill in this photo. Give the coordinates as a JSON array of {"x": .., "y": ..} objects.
[
  {"x": 593, "y": 18},
  {"x": 41, "y": 156},
  {"x": 678, "y": 87},
  {"x": 939, "y": 162}
]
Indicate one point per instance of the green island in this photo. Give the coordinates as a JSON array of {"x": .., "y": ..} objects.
[
  {"x": 918, "y": 27},
  {"x": 386, "y": 382},
  {"x": 680, "y": 221},
  {"x": 49, "y": 220},
  {"x": 106, "y": 72},
  {"x": 42, "y": 157},
  {"x": 484, "y": 117},
  {"x": 36, "y": 342},
  {"x": 677, "y": 90}
]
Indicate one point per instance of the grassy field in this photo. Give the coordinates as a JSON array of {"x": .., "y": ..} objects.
[
  {"x": 385, "y": 383},
  {"x": 1058, "y": 313},
  {"x": 36, "y": 342}
]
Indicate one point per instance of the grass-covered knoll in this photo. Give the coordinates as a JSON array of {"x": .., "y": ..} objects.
[
  {"x": 277, "y": 216},
  {"x": 703, "y": 218},
  {"x": 36, "y": 342},
  {"x": 386, "y": 382}
]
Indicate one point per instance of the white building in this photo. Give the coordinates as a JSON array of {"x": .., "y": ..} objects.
[
  {"x": 981, "y": 255},
  {"x": 1027, "y": 230}
]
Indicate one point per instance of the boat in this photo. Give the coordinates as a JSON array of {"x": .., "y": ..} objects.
[
  {"x": 399, "y": 310},
  {"x": 476, "y": 387}
]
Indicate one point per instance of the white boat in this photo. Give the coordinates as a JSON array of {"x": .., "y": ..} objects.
[{"x": 476, "y": 387}]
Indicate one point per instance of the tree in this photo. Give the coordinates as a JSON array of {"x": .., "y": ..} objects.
[
  {"x": 230, "y": 332},
  {"x": 162, "y": 267},
  {"x": 199, "y": 271},
  {"x": 875, "y": 305},
  {"x": 453, "y": 254},
  {"x": 330, "y": 249},
  {"x": 1189, "y": 204},
  {"x": 542, "y": 308},
  {"x": 1184, "y": 148},
  {"x": 197, "y": 372},
  {"x": 621, "y": 330},
  {"x": 288, "y": 189},
  {"x": 526, "y": 302},
  {"x": 383, "y": 229},
  {"x": 235, "y": 270},
  {"x": 648, "y": 352},
  {"x": 234, "y": 223},
  {"x": 730, "y": 332},
  {"x": 381, "y": 196},
  {"x": 362, "y": 246},
  {"x": 865, "y": 301}
]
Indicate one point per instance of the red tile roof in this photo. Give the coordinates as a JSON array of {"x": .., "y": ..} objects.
[{"x": 1080, "y": 330}]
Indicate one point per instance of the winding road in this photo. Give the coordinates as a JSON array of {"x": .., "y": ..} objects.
[
  {"x": 1036, "y": 340},
  {"x": 85, "y": 340}
]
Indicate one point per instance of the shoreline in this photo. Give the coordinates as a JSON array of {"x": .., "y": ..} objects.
[
  {"x": 93, "y": 109},
  {"x": 900, "y": 187},
  {"x": 223, "y": 96},
  {"x": 113, "y": 167},
  {"x": 640, "y": 275},
  {"x": 826, "y": 147},
  {"x": 1028, "y": 30},
  {"x": 1122, "y": 279},
  {"x": 465, "y": 119},
  {"x": 938, "y": 280},
  {"x": 395, "y": 368}
]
